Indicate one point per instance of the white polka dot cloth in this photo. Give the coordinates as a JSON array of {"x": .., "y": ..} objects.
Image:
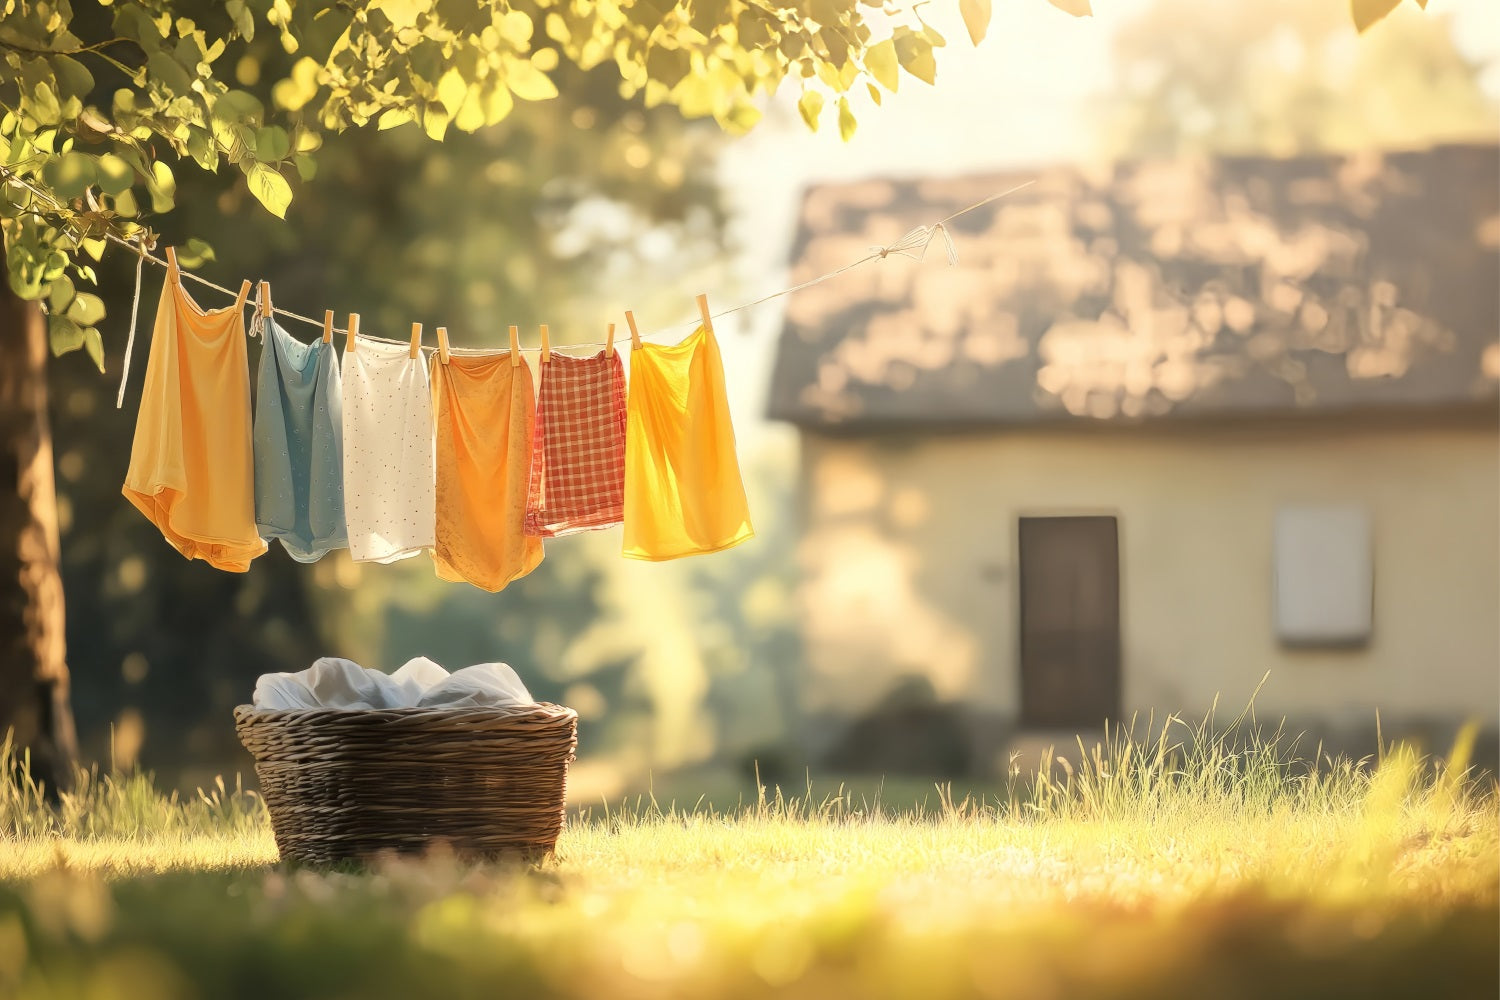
[{"x": 389, "y": 463}]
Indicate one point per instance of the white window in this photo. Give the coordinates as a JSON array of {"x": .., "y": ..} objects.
[{"x": 1324, "y": 576}]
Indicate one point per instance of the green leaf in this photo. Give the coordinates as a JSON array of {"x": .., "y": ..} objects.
[
  {"x": 668, "y": 65},
  {"x": 741, "y": 117},
  {"x": 64, "y": 334},
  {"x": 1078, "y": 8},
  {"x": 43, "y": 104},
  {"x": 811, "y": 106},
  {"x": 307, "y": 166},
  {"x": 70, "y": 174},
  {"x": 301, "y": 86},
  {"x": 168, "y": 73},
  {"x": 114, "y": 174},
  {"x": 202, "y": 148},
  {"x": 272, "y": 144},
  {"x": 915, "y": 55},
  {"x": 133, "y": 20},
  {"x": 426, "y": 61},
  {"x": 270, "y": 189},
  {"x": 516, "y": 28},
  {"x": 73, "y": 78},
  {"x": 435, "y": 122},
  {"x": 56, "y": 264},
  {"x": 1367, "y": 12},
  {"x": 163, "y": 187},
  {"x": 976, "y": 15},
  {"x": 880, "y": 60},
  {"x": 498, "y": 104},
  {"x": 393, "y": 118},
  {"x": 60, "y": 294},
  {"x": 93, "y": 345},
  {"x": 86, "y": 309},
  {"x": 470, "y": 116},
  {"x": 529, "y": 83},
  {"x": 244, "y": 21},
  {"x": 451, "y": 91},
  {"x": 846, "y": 120},
  {"x": 238, "y": 106},
  {"x": 195, "y": 253}
]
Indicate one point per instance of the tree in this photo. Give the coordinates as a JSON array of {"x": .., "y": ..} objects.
[
  {"x": 1286, "y": 77},
  {"x": 34, "y": 680}
]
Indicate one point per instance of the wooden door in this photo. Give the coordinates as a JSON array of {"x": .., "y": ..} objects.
[{"x": 1070, "y": 621}]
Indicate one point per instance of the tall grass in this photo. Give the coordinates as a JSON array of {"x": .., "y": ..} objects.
[
  {"x": 1175, "y": 862},
  {"x": 117, "y": 804},
  {"x": 1143, "y": 773}
]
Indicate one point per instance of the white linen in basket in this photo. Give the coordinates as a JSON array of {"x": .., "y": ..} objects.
[{"x": 333, "y": 682}]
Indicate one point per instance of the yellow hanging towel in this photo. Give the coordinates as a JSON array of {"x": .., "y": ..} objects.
[
  {"x": 485, "y": 412},
  {"x": 190, "y": 470},
  {"x": 683, "y": 493}
]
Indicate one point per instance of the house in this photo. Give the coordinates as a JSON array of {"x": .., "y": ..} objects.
[{"x": 1165, "y": 428}]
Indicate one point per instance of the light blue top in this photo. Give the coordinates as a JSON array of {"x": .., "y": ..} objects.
[{"x": 299, "y": 446}]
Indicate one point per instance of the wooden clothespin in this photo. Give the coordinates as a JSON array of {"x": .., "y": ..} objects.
[
  {"x": 416, "y": 340},
  {"x": 265, "y": 298},
  {"x": 515, "y": 347},
  {"x": 328, "y": 326},
  {"x": 352, "y": 333},
  {"x": 708, "y": 322},
  {"x": 245, "y": 287},
  {"x": 609, "y": 342},
  {"x": 443, "y": 344},
  {"x": 546, "y": 345},
  {"x": 635, "y": 334}
]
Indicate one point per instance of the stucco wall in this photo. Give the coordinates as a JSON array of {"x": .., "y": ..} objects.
[{"x": 909, "y": 559}]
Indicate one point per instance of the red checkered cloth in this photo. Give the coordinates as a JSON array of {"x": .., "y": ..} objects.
[{"x": 578, "y": 460}]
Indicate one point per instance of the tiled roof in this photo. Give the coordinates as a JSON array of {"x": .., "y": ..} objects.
[{"x": 1214, "y": 288}]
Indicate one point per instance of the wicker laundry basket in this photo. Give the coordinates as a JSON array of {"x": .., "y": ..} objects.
[{"x": 346, "y": 784}]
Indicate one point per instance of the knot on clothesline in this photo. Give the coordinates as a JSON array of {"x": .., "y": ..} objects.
[{"x": 914, "y": 244}]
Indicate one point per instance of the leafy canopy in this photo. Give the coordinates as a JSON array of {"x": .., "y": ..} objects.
[{"x": 73, "y": 171}]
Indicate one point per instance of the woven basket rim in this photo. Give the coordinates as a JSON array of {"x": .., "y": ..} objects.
[{"x": 415, "y": 712}]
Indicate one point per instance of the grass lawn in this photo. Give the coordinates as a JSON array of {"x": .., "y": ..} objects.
[{"x": 1193, "y": 868}]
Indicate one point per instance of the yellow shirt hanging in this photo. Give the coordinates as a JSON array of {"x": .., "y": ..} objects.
[
  {"x": 683, "y": 493},
  {"x": 190, "y": 469}
]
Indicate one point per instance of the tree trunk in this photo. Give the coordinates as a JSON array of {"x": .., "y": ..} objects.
[{"x": 34, "y": 701}]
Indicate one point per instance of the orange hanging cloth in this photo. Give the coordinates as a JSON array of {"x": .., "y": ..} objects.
[
  {"x": 683, "y": 493},
  {"x": 191, "y": 471},
  {"x": 485, "y": 411}
]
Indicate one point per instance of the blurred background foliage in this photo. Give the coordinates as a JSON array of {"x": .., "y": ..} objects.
[{"x": 569, "y": 212}]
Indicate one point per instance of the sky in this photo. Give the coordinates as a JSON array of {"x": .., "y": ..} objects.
[{"x": 1016, "y": 100}]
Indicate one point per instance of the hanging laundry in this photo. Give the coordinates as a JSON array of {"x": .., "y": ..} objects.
[
  {"x": 578, "y": 464},
  {"x": 299, "y": 446},
  {"x": 485, "y": 415},
  {"x": 191, "y": 470},
  {"x": 683, "y": 493},
  {"x": 389, "y": 492}
]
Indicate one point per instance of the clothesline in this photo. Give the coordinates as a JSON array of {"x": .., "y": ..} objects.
[{"x": 914, "y": 245}]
